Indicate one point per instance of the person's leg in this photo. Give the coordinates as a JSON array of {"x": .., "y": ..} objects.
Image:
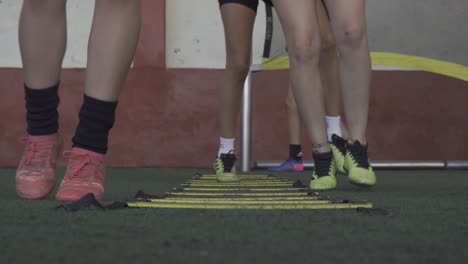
[
  {"x": 294, "y": 127},
  {"x": 348, "y": 19},
  {"x": 328, "y": 65},
  {"x": 329, "y": 73},
  {"x": 238, "y": 20},
  {"x": 303, "y": 40},
  {"x": 42, "y": 38},
  {"x": 112, "y": 45}
]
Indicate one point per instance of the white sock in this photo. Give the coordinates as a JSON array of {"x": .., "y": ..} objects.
[
  {"x": 225, "y": 145},
  {"x": 333, "y": 126}
]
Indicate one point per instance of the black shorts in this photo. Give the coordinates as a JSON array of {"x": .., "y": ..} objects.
[{"x": 252, "y": 4}]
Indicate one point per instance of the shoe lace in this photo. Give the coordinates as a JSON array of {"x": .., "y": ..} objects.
[
  {"x": 36, "y": 151},
  {"x": 229, "y": 159},
  {"x": 81, "y": 165},
  {"x": 359, "y": 154},
  {"x": 340, "y": 143},
  {"x": 323, "y": 162}
]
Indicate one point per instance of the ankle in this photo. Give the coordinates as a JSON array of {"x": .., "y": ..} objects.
[
  {"x": 354, "y": 141},
  {"x": 321, "y": 148}
]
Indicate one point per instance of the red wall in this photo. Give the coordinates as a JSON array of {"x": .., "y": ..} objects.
[{"x": 169, "y": 117}]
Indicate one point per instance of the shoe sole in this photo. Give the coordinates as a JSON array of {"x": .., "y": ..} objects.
[
  {"x": 74, "y": 199},
  {"x": 286, "y": 170},
  {"x": 29, "y": 196},
  {"x": 228, "y": 178},
  {"x": 359, "y": 184},
  {"x": 321, "y": 190},
  {"x": 32, "y": 197}
]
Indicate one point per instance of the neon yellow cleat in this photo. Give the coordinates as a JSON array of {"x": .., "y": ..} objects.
[
  {"x": 324, "y": 175},
  {"x": 225, "y": 168},
  {"x": 357, "y": 164}
]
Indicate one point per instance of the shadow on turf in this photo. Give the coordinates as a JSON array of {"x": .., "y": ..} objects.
[{"x": 88, "y": 201}]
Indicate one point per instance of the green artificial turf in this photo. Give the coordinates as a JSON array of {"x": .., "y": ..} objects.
[{"x": 428, "y": 223}]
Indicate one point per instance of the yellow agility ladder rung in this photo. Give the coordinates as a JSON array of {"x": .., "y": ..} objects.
[
  {"x": 241, "y": 182},
  {"x": 250, "y": 206},
  {"x": 278, "y": 198},
  {"x": 236, "y": 194},
  {"x": 230, "y": 201},
  {"x": 279, "y": 184},
  {"x": 245, "y": 189},
  {"x": 242, "y": 177}
]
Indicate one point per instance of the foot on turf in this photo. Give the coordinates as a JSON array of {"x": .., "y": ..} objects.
[
  {"x": 225, "y": 167},
  {"x": 357, "y": 164},
  {"x": 338, "y": 147},
  {"x": 289, "y": 165},
  {"x": 35, "y": 176},
  {"x": 324, "y": 175},
  {"x": 85, "y": 174}
]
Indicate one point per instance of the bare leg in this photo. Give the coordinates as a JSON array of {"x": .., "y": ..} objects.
[
  {"x": 330, "y": 79},
  {"x": 112, "y": 45},
  {"x": 238, "y": 21},
  {"x": 303, "y": 40},
  {"x": 329, "y": 63},
  {"x": 348, "y": 20},
  {"x": 42, "y": 37},
  {"x": 349, "y": 24}
]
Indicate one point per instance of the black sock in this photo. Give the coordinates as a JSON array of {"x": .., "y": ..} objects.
[
  {"x": 295, "y": 152},
  {"x": 96, "y": 119},
  {"x": 41, "y": 110}
]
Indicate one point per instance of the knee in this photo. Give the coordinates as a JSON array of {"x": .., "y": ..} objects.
[
  {"x": 238, "y": 67},
  {"x": 305, "y": 51},
  {"x": 48, "y": 8},
  {"x": 352, "y": 35}
]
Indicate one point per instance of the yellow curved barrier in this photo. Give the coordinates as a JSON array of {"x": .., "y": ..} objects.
[{"x": 392, "y": 59}]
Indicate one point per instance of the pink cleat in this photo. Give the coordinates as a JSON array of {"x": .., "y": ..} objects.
[
  {"x": 85, "y": 174},
  {"x": 289, "y": 165},
  {"x": 35, "y": 176}
]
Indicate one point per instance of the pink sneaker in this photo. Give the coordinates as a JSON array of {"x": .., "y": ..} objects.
[
  {"x": 85, "y": 174},
  {"x": 35, "y": 176}
]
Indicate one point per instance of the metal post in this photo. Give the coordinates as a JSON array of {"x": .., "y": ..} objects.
[
  {"x": 457, "y": 164},
  {"x": 246, "y": 122}
]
